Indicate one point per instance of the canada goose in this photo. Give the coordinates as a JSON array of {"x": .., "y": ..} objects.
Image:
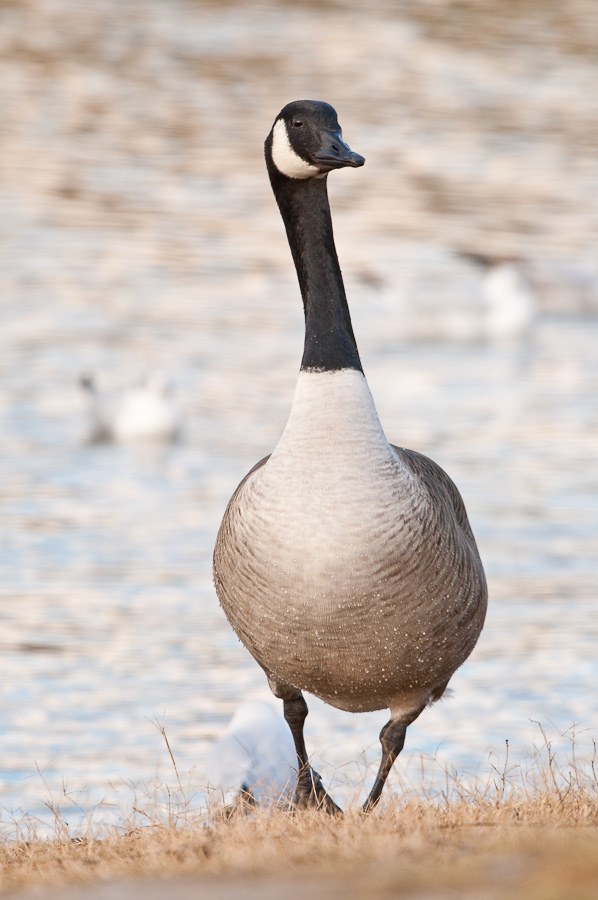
[
  {"x": 143, "y": 412},
  {"x": 346, "y": 565},
  {"x": 255, "y": 758}
]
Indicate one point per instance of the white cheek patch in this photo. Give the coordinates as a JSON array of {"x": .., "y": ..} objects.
[{"x": 284, "y": 157}]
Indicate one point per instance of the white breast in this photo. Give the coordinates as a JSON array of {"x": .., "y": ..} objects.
[
  {"x": 327, "y": 510},
  {"x": 332, "y": 480}
]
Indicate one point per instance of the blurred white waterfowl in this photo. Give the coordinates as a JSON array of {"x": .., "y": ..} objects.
[
  {"x": 255, "y": 759},
  {"x": 345, "y": 564},
  {"x": 431, "y": 293},
  {"x": 510, "y": 304},
  {"x": 143, "y": 412}
]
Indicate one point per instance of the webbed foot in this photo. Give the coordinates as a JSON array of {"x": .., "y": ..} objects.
[{"x": 310, "y": 793}]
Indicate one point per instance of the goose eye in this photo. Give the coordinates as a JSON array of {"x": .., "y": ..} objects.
[{"x": 296, "y": 122}]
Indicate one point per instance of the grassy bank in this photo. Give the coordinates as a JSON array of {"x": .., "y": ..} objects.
[
  {"x": 529, "y": 831},
  {"x": 545, "y": 847}
]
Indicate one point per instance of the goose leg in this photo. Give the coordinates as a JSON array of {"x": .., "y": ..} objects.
[
  {"x": 310, "y": 790},
  {"x": 392, "y": 738}
]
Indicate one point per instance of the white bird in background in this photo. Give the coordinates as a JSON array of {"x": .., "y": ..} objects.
[
  {"x": 255, "y": 759},
  {"x": 432, "y": 293},
  {"x": 509, "y": 300},
  {"x": 144, "y": 412}
]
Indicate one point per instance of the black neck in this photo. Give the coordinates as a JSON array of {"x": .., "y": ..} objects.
[{"x": 329, "y": 340}]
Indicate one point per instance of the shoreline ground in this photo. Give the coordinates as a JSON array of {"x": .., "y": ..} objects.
[
  {"x": 312, "y": 856},
  {"x": 529, "y": 834}
]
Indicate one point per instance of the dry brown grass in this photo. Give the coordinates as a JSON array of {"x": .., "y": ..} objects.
[
  {"x": 527, "y": 830},
  {"x": 545, "y": 848}
]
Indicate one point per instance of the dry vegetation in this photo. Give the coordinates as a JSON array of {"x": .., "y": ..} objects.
[{"x": 529, "y": 830}]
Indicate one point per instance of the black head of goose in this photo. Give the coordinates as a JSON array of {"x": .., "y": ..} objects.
[{"x": 346, "y": 565}]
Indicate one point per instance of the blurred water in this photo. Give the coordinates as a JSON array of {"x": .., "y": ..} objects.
[
  {"x": 133, "y": 245},
  {"x": 109, "y": 616}
]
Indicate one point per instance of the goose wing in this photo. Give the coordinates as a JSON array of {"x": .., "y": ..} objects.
[
  {"x": 257, "y": 466},
  {"x": 441, "y": 487}
]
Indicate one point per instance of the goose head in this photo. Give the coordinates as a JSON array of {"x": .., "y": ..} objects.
[{"x": 306, "y": 142}]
